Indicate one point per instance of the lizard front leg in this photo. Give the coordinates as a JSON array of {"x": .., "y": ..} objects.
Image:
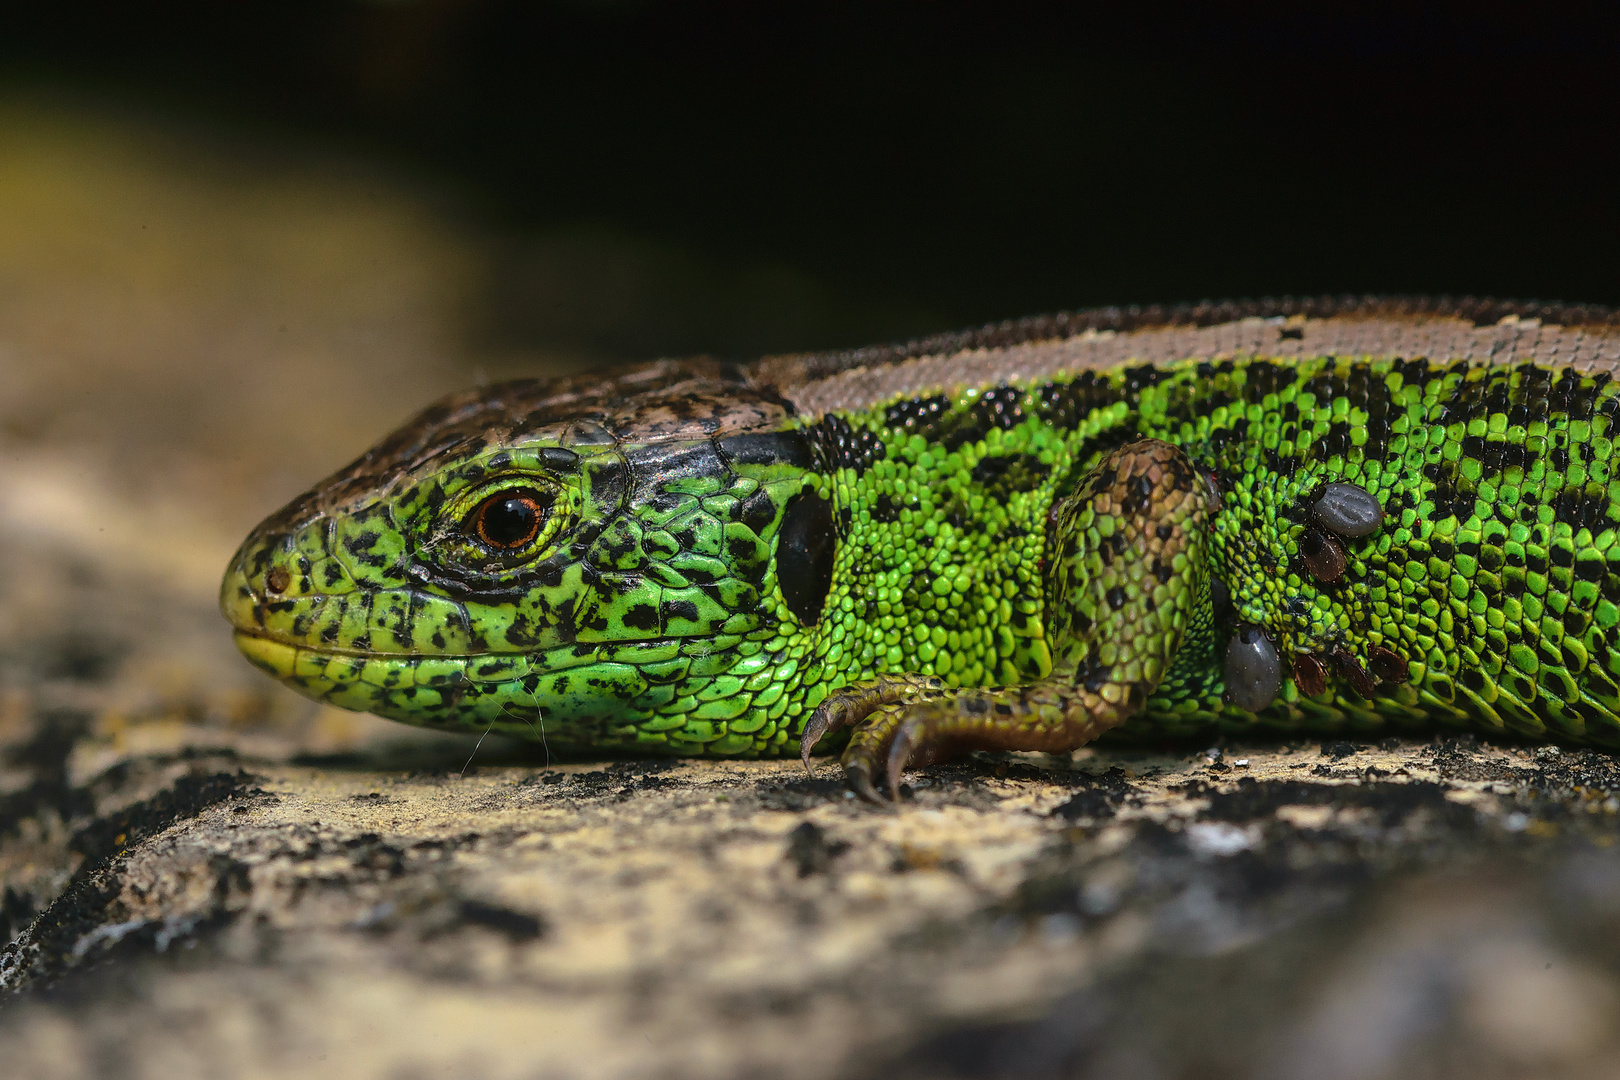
[{"x": 1124, "y": 579}]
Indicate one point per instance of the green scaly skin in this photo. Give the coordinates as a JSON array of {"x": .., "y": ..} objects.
[{"x": 1016, "y": 563}]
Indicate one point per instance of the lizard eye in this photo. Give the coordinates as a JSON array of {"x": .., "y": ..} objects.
[{"x": 509, "y": 520}]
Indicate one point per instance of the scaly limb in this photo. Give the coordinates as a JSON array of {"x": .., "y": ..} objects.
[{"x": 1125, "y": 573}]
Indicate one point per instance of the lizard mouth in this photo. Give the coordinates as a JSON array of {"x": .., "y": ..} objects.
[
  {"x": 353, "y": 679},
  {"x": 273, "y": 653},
  {"x": 280, "y": 657},
  {"x": 273, "y": 657},
  {"x": 298, "y": 662},
  {"x": 583, "y": 683}
]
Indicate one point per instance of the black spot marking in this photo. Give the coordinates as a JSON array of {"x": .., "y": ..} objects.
[
  {"x": 757, "y": 512},
  {"x": 767, "y": 448},
  {"x": 515, "y": 925},
  {"x": 1064, "y": 405},
  {"x": 1005, "y": 474},
  {"x": 642, "y": 617},
  {"x": 915, "y": 413},
  {"x": 837, "y": 445},
  {"x": 686, "y": 610},
  {"x": 805, "y": 547}
]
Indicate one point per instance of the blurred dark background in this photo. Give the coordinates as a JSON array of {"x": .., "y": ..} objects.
[{"x": 747, "y": 177}]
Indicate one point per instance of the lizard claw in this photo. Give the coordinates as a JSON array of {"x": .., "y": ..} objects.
[
  {"x": 901, "y": 750},
  {"x": 807, "y": 743},
  {"x": 860, "y": 780},
  {"x": 850, "y": 705},
  {"x": 834, "y": 714},
  {"x": 814, "y": 729}
]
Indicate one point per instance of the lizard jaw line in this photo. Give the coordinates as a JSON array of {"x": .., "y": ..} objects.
[{"x": 254, "y": 645}]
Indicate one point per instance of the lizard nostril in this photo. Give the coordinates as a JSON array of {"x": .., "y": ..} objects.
[{"x": 277, "y": 580}]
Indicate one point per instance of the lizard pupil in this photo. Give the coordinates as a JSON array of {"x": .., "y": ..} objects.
[
  {"x": 804, "y": 556},
  {"x": 509, "y": 520}
]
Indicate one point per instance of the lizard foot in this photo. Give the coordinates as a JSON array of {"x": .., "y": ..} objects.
[
  {"x": 1048, "y": 716},
  {"x": 1125, "y": 584},
  {"x": 848, "y": 707},
  {"x": 884, "y": 744}
]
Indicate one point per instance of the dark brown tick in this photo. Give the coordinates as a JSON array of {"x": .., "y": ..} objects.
[
  {"x": 277, "y": 580},
  {"x": 1322, "y": 555}
]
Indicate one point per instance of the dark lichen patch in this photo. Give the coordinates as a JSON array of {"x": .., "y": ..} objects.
[
  {"x": 85, "y": 921},
  {"x": 1099, "y": 799},
  {"x": 81, "y": 656},
  {"x": 518, "y": 927},
  {"x": 103, "y": 838},
  {"x": 1460, "y": 758},
  {"x": 44, "y": 756},
  {"x": 1392, "y": 803},
  {"x": 982, "y": 781},
  {"x": 617, "y": 782},
  {"x": 371, "y": 853},
  {"x": 797, "y": 792},
  {"x": 810, "y": 851}
]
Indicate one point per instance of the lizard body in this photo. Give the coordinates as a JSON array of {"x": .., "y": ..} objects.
[{"x": 1330, "y": 516}]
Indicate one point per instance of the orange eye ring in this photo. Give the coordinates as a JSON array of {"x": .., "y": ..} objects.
[{"x": 509, "y": 520}]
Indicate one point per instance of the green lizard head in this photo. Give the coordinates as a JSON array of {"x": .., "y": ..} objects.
[{"x": 582, "y": 559}]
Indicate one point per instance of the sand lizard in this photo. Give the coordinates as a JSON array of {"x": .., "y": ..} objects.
[{"x": 1336, "y": 515}]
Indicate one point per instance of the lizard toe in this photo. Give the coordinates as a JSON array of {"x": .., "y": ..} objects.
[
  {"x": 859, "y": 778},
  {"x": 901, "y": 750},
  {"x": 837, "y": 712},
  {"x": 816, "y": 727},
  {"x": 869, "y": 752},
  {"x": 852, "y": 705}
]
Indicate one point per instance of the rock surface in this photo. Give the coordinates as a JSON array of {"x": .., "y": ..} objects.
[{"x": 203, "y": 875}]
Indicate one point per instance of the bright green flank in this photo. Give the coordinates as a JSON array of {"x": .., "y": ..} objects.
[{"x": 702, "y": 559}]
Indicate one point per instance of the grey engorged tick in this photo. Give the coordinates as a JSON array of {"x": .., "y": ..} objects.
[
  {"x": 1348, "y": 510},
  {"x": 1253, "y": 669}
]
